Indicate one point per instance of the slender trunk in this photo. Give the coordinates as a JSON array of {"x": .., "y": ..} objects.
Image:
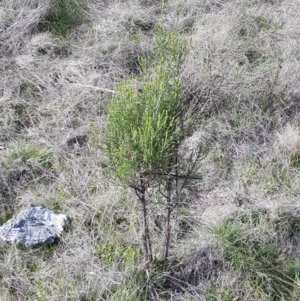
[
  {"x": 148, "y": 258},
  {"x": 146, "y": 241},
  {"x": 168, "y": 224}
]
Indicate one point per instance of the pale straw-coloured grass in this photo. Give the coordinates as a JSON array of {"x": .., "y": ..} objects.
[{"x": 241, "y": 80}]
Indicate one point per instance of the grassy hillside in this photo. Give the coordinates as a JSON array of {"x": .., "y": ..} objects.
[{"x": 236, "y": 233}]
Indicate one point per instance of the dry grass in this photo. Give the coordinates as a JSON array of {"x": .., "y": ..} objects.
[{"x": 241, "y": 80}]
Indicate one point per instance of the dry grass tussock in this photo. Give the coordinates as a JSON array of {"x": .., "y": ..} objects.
[{"x": 241, "y": 82}]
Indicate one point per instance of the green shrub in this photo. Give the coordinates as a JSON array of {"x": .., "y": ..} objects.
[
  {"x": 142, "y": 134},
  {"x": 141, "y": 130}
]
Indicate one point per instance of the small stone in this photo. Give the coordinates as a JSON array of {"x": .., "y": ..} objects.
[{"x": 33, "y": 226}]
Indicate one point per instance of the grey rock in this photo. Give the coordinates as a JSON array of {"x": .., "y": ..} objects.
[{"x": 33, "y": 226}]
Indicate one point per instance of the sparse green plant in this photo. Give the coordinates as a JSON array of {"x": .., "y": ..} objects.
[
  {"x": 32, "y": 267},
  {"x": 295, "y": 160},
  {"x": 63, "y": 16},
  {"x": 185, "y": 222},
  {"x": 112, "y": 251},
  {"x": 219, "y": 294},
  {"x": 31, "y": 155},
  {"x": 253, "y": 247},
  {"x": 29, "y": 90},
  {"x": 133, "y": 286},
  {"x": 5, "y": 216}
]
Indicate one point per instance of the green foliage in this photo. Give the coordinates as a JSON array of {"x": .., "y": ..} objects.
[
  {"x": 141, "y": 136},
  {"x": 140, "y": 131},
  {"x": 253, "y": 247},
  {"x": 158, "y": 280},
  {"x": 216, "y": 294},
  {"x": 185, "y": 221},
  {"x": 114, "y": 247},
  {"x": 32, "y": 267},
  {"x": 42, "y": 290},
  {"x": 63, "y": 16},
  {"x": 32, "y": 156},
  {"x": 29, "y": 91},
  {"x": 295, "y": 161},
  {"x": 134, "y": 286},
  {"x": 281, "y": 177},
  {"x": 5, "y": 216},
  {"x": 23, "y": 117},
  {"x": 264, "y": 24},
  {"x": 115, "y": 251}
]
